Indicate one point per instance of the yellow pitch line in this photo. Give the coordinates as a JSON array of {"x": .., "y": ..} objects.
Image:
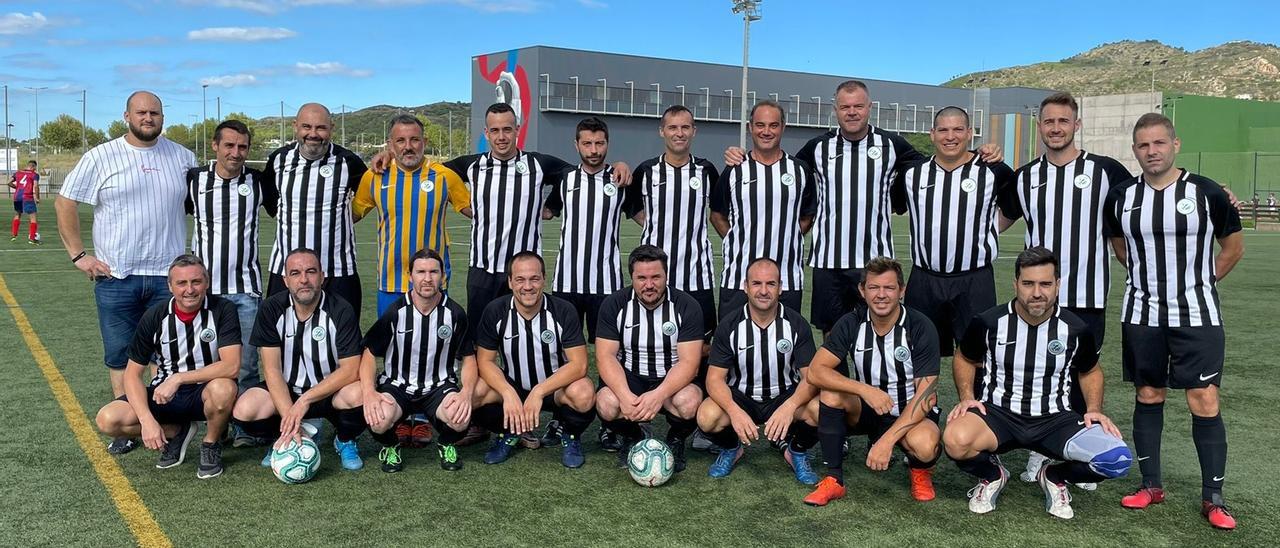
[{"x": 127, "y": 501}]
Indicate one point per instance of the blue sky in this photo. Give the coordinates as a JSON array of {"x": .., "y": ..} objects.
[{"x": 255, "y": 53}]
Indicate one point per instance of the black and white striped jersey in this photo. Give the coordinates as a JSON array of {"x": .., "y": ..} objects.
[
  {"x": 224, "y": 232},
  {"x": 530, "y": 350},
  {"x": 954, "y": 224},
  {"x": 648, "y": 338},
  {"x": 1169, "y": 235},
  {"x": 309, "y": 348},
  {"x": 674, "y": 200},
  {"x": 1063, "y": 209},
  {"x": 764, "y": 204},
  {"x": 507, "y": 199},
  {"x": 854, "y": 178},
  {"x": 590, "y": 207},
  {"x": 180, "y": 346},
  {"x": 1026, "y": 368},
  {"x": 419, "y": 350},
  {"x": 763, "y": 362},
  {"x": 315, "y": 206},
  {"x": 891, "y": 362}
]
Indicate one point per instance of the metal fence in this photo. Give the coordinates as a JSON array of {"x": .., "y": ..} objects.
[{"x": 1245, "y": 173}]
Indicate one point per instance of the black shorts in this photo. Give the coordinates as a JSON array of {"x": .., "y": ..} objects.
[
  {"x": 874, "y": 426},
  {"x": 187, "y": 404},
  {"x": 760, "y": 411},
  {"x": 835, "y": 293},
  {"x": 319, "y": 409},
  {"x": 707, "y": 302},
  {"x": 1173, "y": 357},
  {"x": 733, "y": 299},
  {"x": 347, "y": 287},
  {"x": 482, "y": 288},
  {"x": 1047, "y": 435},
  {"x": 588, "y": 307},
  {"x": 951, "y": 300},
  {"x": 427, "y": 404}
]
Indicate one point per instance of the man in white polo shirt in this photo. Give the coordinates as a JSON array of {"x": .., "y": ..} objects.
[{"x": 136, "y": 184}]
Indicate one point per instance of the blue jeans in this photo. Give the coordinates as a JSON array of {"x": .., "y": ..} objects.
[
  {"x": 121, "y": 303},
  {"x": 247, "y": 307}
]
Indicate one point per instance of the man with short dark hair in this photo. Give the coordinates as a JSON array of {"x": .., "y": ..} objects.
[
  {"x": 543, "y": 357},
  {"x": 1162, "y": 225},
  {"x": 195, "y": 339},
  {"x": 26, "y": 194},
  {"x": 136, "y": 185},
  {"x": 1024, "y": 350},
  {"x": 648, "y": 352},
  {"x": 755, "y": 377},
  {"x": 890, "y": 392}
]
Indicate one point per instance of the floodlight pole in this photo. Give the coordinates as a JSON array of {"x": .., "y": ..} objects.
[
  {"x": 750, "y": 10},
  {"x": 204, "y": 115}
]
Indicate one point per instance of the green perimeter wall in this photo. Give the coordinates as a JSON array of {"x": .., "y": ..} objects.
[{"x": 1232, "y": 141}]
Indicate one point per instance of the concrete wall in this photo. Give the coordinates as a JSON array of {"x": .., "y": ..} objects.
[{"x": 1107, "y": 124}]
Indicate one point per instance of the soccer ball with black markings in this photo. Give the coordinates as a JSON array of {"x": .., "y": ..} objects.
[
  {"x": 296, "y": 463},
  {"x": 650, "y": 462}
]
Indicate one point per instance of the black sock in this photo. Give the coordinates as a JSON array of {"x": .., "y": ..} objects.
[
  {"x": 488, "y": 417},
  {"x": 265, "y": 428},
  {"x": 446, "y": 435},
  {"x": 726, "y": 439},
  {"x": 573, "y": 421},
  {"x": 680, "y": 429},
  {"x": 629, "y": 431},
  {"x": 1071, "y": 471},
  {"x": 913, "y": 462},
  {"x": 831, "y": 432},
  {"x": 1148, "y": 426},
  {"x": 348, "y": 423},
  {"x": 1210, "y": 436},
  {"x": 982, "y": 466},
  {"x": 803, "y": 436},
  {"x": 388, "y": 438}
]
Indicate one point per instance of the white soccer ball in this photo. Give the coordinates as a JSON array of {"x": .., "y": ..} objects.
[
  {"x": 37, "y": 237},
  {"x": 650, "y": 462},
  {"x": 296, "y": 463}
]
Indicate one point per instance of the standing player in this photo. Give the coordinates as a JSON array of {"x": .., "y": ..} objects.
[
  {"x": 648, "y": 351},
  {"x": 890, "y": 394},
  {"x": 1024, "y": 350},
  {"x": 195, "y": 340},
  {"x": 1162, "y": 226},
  {"x": 854, "y": 167},
  {"x": 410, "y": 200},
  {"x": 26, "y": 194},
  {"x": 420, "y": 338},
  {"x": 310, "y": 345},
  {"x": 756, "y": 358},
  {"x": 544, "y": 364},
  {"x": 136, "y": 184},
  {"x": 763, "y": 208},
  {"x": 1060, "y": 195},
  {"x": 954, "y": 227},
  {"x": 316, "y": 179}
]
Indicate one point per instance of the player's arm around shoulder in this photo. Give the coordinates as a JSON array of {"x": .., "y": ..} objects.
[
  {"x": 459, "y": 195},
  {"x": 363, "y": 201}
]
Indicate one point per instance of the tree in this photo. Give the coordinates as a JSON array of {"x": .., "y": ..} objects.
[
  {"x": 117, "y": 129},
  {"x": 62, "y": 133}
]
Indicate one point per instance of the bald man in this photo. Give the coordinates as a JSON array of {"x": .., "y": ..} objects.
[
  {"x": 136, "y": 184},
  {"x": 316, "y": 180}
]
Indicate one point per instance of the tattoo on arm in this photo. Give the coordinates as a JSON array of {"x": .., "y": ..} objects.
[{"x": 922, "y": 404}]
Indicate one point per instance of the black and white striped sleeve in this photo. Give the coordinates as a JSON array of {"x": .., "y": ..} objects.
[
  {"x": 607, "y": 325},
  {"x": 974, "y": 343},
  {"x": 348, "y": 335},
  {"x": 487, "y": 328},
  {"x": 227, "y": 320},
  {"x": 265, "y": 334},
  {"x": 1225, "y": 218},
  {"x": 690, "y": 312},
  {"x": 460, "y": 164},
  {"x": 925, "y": 357},
  {"x": 723, "y": 354},
  {"x": 808, "y": 196},
  {"x": 144, "y": 345},
  {"x": 843, "y": 335},
  {"x": 721, "y": 192}
]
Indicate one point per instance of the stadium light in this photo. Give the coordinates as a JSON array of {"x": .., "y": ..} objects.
[
  {"x": 744, "y": 109},
  {"x": 604, "y": 87},
  {"x": 797, "y": 100},
  {"x": 819, "y": 109},
  {"x": 36, "y": 92},
  {"x": 915, "y": 125},
  {"x": 204, "y": 115},
  {"x": 897, "y": 117},
  {"x": 658, "y": 96},
  {"x": 548, "y": 94},
  {"x": 750, "y": 10}
]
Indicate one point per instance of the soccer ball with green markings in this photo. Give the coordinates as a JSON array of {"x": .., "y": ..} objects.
[
  {"x": 296, "y": 463},
  {"x": 650, "y": 462}
]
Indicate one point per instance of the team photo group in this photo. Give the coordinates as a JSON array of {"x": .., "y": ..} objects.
[{"x": 193, "y": 332}]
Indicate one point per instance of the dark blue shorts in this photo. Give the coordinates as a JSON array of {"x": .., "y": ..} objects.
[{"x": 187, "y": 405}]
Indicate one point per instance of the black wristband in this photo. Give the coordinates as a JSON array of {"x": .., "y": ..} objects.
[{"x": 78, "y": 257}]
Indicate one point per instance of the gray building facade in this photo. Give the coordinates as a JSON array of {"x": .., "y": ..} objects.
[{"x": 553, "y": 88}]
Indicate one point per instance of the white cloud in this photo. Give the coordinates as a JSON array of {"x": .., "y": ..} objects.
[
  {"x": 139, "y": 69},
  {"x": 21, "y": 23},
  {"x": 265, "y": 7},
  {"x": 328, "y": 69},
  {"x": 31, "y": 61},
  {"x": 241, "y": 34},
  {"x": 593, "y": 4},
  {"x": 230, "y": 80}
]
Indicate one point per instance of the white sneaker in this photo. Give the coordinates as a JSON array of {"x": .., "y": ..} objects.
[
  {"x": 1057, "y": 500},
  {"x": 1087, "y": 486},
  {"x": 982, "y": 498},
  {"x": 1035, "y": 461}
]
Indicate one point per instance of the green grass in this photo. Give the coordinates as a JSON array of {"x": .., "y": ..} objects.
[{"x": 53, "y": 497}]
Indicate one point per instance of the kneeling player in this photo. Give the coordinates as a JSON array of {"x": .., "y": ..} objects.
[
  {"x": 648, "y": 349},
  {"x": 309, "y": 346},
  {"x": 892, "y": 393},
  {"x": 1025, "y": 350},
  {"x": 195, "y": 338},
  {"x": 544, "y": 364},
  {"x": 419, "y": 337},
  {"x": 754, "y": 377}
]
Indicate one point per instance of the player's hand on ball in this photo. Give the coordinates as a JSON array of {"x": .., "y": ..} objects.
[
  {"x": 744, "y": 427},
  {"x": 291, "y": 424},
  {"x": 962, "y": 408},
  {"x": 879, "y": 401},
  {"x": 153, "y": 435},
  {"x": 1109, "y": 427},
  {"x": 878, "y": 456}
]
